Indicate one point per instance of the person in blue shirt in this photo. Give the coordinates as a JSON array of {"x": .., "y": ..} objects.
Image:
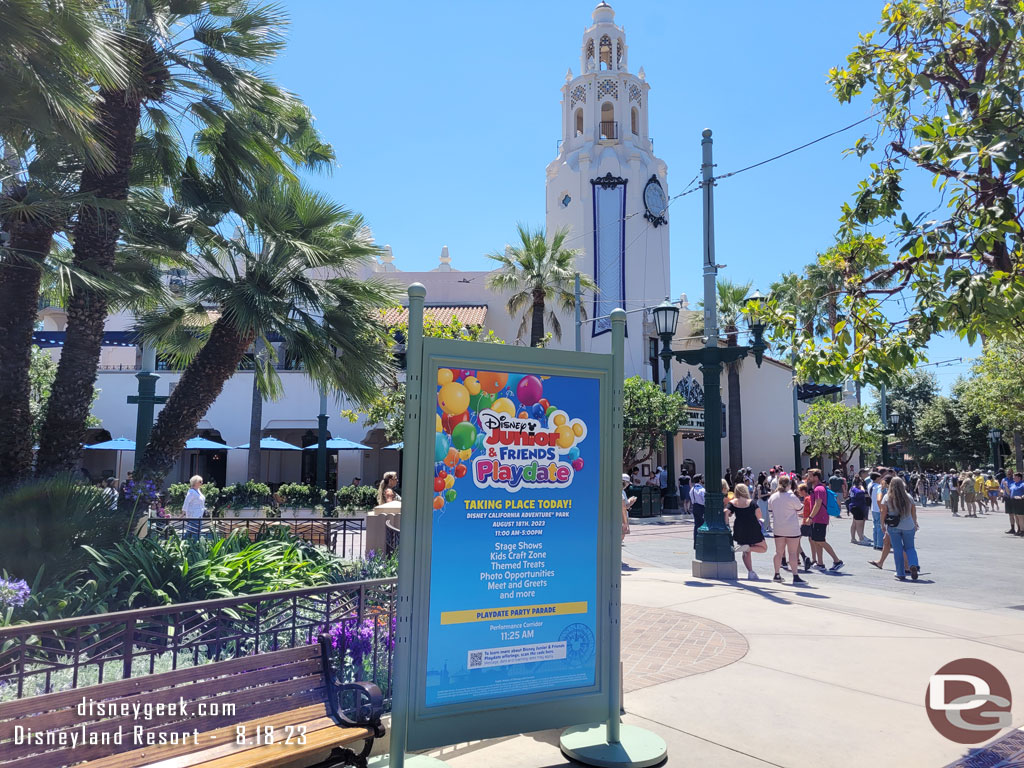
[{"x": 1015, "y": 505}]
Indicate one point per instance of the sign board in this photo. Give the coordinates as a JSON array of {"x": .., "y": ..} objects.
[{"x": 510, "y": 554}]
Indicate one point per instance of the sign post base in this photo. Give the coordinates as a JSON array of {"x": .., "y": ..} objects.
[
  {"x": 636, "y": 748},
  {"x": 411, "y": 761}
]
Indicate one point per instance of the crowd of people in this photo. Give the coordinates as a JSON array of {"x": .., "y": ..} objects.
[{"x": 790, "y": 508}]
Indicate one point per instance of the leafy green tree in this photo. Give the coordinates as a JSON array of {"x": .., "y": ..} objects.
[
  {"x": 837, "y": 430},
  {"x": 194, "y": 60},
  {"x": 41, "y": 371},
  {"x": 285, "y": 272},
  {"x": 51, "y": 55},
  {"x": 944, "y": 78},
  {"x": 732, "y": 299},
  {"x": 907, "y": 397},
  {"x": 647, "y": 414},
  {"x": 995, "y": 391},
  {"x": 388, "y": 407},
  {"x": 947, "y": 433},
  {"x": 540, "y": 276}
]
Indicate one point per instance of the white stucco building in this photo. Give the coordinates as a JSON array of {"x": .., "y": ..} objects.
[{"x": 605, "y": 186}]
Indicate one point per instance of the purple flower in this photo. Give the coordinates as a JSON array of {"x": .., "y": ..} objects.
[
  {"x": 357, "y": 637},
  {"x": 13, "y": 592}
]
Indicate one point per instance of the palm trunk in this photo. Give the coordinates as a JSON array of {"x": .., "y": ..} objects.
[
  {"x": 735, "y": 416},
  {"x": 255, "y": 419},
  {"x": 30, "y": 243},
  {"x": 199, "y": 386},
  {"x": 95, "y": 244},
  {"x": 537, "y": 322}
]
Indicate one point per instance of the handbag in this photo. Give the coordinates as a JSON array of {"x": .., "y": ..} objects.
[{"x": 892, "y": 519}]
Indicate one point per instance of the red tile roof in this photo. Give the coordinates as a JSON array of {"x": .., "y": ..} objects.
[{"x": 475, "y": 314}]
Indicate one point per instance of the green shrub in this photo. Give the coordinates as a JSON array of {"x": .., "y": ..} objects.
[
  {"x": 44, "y": 524},
  {"x": 176, "y": 495},
  {"x": 356, "y": 498},
  {"x": 299, "y": 495}
]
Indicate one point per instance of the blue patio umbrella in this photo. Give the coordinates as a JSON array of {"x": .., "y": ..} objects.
[
  {"x": 202, "y": 444},
  {"x": 340, "y": 444},
  {"x": 271, "y": 444},
  {"x": 117, "y": 444},
  {"x": 394, "y": 447}
]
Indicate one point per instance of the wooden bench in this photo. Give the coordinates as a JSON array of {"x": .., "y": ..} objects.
[{"x": 283, "y": 709}]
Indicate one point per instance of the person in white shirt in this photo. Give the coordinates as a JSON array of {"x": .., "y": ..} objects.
[
  {"x": 697, "y": 503},
  {"x": 786, "y": 510},
  {"x": 194, "y": 507}
]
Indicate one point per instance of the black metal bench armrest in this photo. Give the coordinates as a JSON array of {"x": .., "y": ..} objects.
[{"x": 369, "y": 698}]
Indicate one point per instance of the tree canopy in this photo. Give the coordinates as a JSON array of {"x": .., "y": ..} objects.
[
  {"x": 945, "y": 80},
  {"x": 838, "y": 430},
  {"x": 647, "y": 413}
]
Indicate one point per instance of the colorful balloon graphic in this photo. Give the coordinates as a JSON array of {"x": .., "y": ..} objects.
[
  {"x": 577, "y": 464},
  {"x": 565, "y": 436},
  {"x": 577, "y": 429},
  {"x": 574, "y": 453},
  {"x": 481, "y": 401},
  {"x": 460, "y": 471},
  {"x": 452, "y": 458},
  {"x": 529, "y": 390},
  {"x": 438, "y": 502},
  {"x": 463, "y": 436},
  {"x": 441, "y": 446},
  {"x": 449, "y": 482},
  {"x": 449, "y": 422},
  {"x": 491, "y": 381},
  {"x": 472, "y": 384},
  {"x": 549, "y": 410},
  {"x": 438, "y": 427},
  {"x": 513, "y": 381},
  {"x": 444, "y": 376},
  {"x": 449, "y": 495},
  {"x": 453, "y": 398},
  {"x": 504, "y": 405},
  {"x": 438, "y": 484}
]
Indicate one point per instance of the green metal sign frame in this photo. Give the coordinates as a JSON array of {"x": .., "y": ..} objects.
[{"x": 414, "y": 726}]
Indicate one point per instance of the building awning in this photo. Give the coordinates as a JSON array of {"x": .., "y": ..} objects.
[
  {"x": 811, "y": 391},
  {"x": 467, "y": 314},
  {"x": 50, "y": 339}
]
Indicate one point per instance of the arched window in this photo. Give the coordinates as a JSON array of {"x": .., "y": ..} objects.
[
  {"x": 618, "y": 54},
  {"x": 634, "y": 121},
  {"x": 579, "y": 122},
  {"x": 605, "y": 52},
  {"x": 608, "y": 128},
  {"x": 590, "y": 55}
]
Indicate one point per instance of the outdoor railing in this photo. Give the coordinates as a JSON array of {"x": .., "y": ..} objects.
[
  {"x": 391, "y": 537},
  {"x": 73, "y": 653},
  {"x": 342, "y": 535}
]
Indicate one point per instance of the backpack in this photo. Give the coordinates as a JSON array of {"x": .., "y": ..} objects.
[{"x": 832, "y": 505}]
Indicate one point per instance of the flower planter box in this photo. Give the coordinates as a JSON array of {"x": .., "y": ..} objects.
[{"x": 294, "y": 512}]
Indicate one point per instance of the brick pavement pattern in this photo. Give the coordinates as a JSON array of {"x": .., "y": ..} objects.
[
  {"x": 659, "y": 645},
  {"x": 1004, "y": 752}
]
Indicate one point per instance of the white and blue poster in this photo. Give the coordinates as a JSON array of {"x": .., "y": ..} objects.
[{"x": 513, "y": 572}]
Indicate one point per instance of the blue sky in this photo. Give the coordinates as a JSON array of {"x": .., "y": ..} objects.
[{"x": 444, "y": 116}]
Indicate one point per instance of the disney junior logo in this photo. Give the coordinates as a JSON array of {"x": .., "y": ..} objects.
[{"x": 968, "y": 701}]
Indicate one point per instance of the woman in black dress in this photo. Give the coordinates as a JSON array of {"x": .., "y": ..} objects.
[{"x": 746, "y": 527}]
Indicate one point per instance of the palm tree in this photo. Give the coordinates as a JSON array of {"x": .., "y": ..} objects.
[
  {"x": 51, "y": 54},
  {"x": 287, "y": 271},
  {"x": 199, "y": 60},
  {"x": 538, "y": 274},
  {"x": 731, "y": 300}
]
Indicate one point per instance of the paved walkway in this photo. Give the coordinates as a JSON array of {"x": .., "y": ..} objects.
[{"x": 832, "y": 676}]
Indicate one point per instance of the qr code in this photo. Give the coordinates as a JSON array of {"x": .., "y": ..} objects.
[{"x": 476, "y": 659}]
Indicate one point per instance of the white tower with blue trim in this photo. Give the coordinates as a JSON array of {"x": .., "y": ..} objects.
[{"x": 607, "y": 187}]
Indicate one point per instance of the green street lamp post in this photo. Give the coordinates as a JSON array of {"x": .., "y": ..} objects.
[
  {"x": 147, "y": 400},
  {"x": 666, "y": 317},
  {"x": 714, "y": 557},
  {"x": 893, "y": 425},
  {"x": 321, "y": 442},
  {"x": 995, "y": 436}
]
